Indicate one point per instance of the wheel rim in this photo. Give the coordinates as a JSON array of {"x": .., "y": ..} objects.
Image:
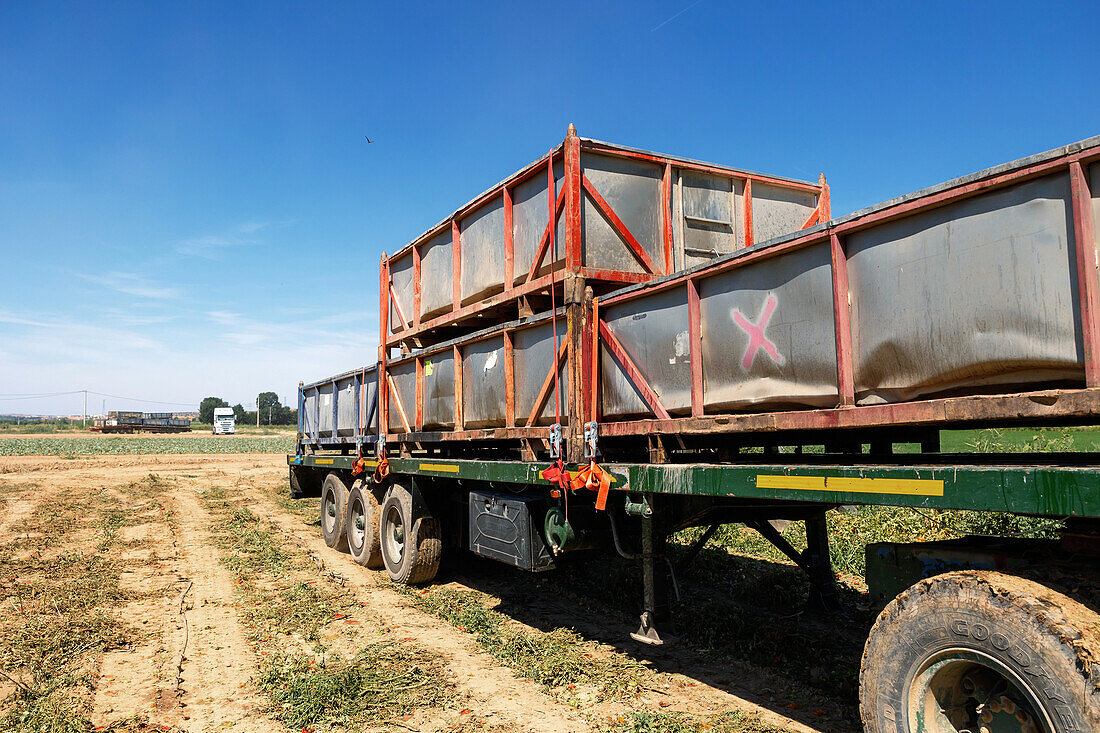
[
  {"x": 328, "y": 513},
  {"x": 394, "y": 533},
  {"x": 959, "y": 690},
  {"x": 358, "y": 524}
]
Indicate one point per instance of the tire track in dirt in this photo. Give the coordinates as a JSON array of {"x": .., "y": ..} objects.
[
  {"x": 494, "y": 692},
  {"x": 216, "y": 679}
]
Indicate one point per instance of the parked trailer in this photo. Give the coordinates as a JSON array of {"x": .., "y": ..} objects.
[
  {"x": 973, "y": 303},
  {"x": 140, "y": 422}
]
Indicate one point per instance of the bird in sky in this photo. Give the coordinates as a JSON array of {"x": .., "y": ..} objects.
[{"x": 368, "y": 139}]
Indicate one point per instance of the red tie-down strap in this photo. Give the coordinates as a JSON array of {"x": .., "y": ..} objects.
[
  {"x": 382, "y": 471},
  {"x": 590, "y": 477},
  {"x": 556, "y": 474}
]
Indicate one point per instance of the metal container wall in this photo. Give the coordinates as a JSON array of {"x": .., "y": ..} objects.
[
  {"x": 483, "y": 252},
  {"x": 308, "y": 419},
  {"x": 533, "y": 355},
  {"x": 530, "y": 212},
  {"x": 324, "y": 418},
  {"x": 632, "y": 188},
  {"x": 483, "y": 384},
  {"x": 439, "y": 390},
  {"x": 436, "y": 273},
  {"x": 777, "y": 211},
  {"x": 654, "y": 332},
  {"x": 401, "y": 292},
  {"x": 1094, "y": 187},
  {"x": 976, "y": 293},
  {"x": 347, "y": 411},
  {"x": 705, "y": 212},
  {"x": 403, "y": 376}
]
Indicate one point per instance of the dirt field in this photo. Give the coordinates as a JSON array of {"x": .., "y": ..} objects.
[{"x": 187, "y": 592}]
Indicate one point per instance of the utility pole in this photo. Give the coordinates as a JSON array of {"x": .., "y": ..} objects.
[
  {"x": 84, "y": 424},
  {"x": 257, "y": 413}
]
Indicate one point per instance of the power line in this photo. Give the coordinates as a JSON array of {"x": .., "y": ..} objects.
[{"x": 43, "y": 395}]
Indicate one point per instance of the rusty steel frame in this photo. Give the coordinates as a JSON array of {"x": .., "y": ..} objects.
[
  {"x": 567, "y": 202},
  {"x": 1040, "y": 405}
]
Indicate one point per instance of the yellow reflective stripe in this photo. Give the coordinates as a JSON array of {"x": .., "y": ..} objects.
[
  {"x": 439, "y": 467},
  {"x": 323, "y": 461},
  {"x": 910, "y": 487}
]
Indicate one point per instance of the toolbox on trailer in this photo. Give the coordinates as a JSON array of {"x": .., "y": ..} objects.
[{"x": 506, "y": 528}]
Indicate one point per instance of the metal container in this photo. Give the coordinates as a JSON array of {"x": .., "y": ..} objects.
[
  {"x": 640, "y": 215},
  {"x": 507, "y": 528},
  {"x": 340, "y": 408},
  {"x": 483, "y": 384}
]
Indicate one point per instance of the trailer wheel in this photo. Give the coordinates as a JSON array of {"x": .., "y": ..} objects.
[
  {"x": 364, "y": 541},
  {"x": 981, "y": 651},
  {"x": 334, "y": 512},
  {"x": 411, "y": 541}
]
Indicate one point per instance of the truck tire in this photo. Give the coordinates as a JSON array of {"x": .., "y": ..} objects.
[
  {"x": 411, "y": 542},
  {"x": 334, "y": 512},
  {"x": 977, "y": 650},
  {"x": 364, "y": 542}
]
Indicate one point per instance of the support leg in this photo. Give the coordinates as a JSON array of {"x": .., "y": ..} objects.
[
  {"x": 823, "y": 590},
  {"x": 654, "y": 585}
]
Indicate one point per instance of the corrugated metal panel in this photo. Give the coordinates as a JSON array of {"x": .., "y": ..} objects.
[
  {"x": 436, "y": 272},
  {"x": 483, "y": 252},
  {"x": 530, "y": 212},
  {"x": 778, "y": 211},
  {"x": 767, "y": 334},
  {"x": 654, "y": 332},
  {"x": 633, "y": 190},
  {"x": 439, "y": 390},
  {"x": 533, "y": 356},
  {"x": 975, "y": 293},
  {"x": 404, "y": 380},
  {"x": 401, "y": 274},
  {"x": 483, "y": 384}
]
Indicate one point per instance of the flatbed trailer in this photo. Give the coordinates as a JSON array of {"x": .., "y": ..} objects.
[{"x": 972, "y": 636}]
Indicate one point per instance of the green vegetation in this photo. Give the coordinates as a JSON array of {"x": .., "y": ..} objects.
[
  {"x": 141, "y": 445},
  {"x": 307, "y": 684},
  {"x": 63, "y": 606},
  {"x": 675, "y": 722},
  {"x": 561, "y": 657}
]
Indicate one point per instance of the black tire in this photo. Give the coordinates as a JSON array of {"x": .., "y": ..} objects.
[
  {"x": 334, "y": 512},
  {"x": 411, "y": 542},
  {"x": 364, "y": 509},
  {"x": 981, "y": 643}
]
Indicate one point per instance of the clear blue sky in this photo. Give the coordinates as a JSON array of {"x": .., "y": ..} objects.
[{"x": 188, "y": 205}]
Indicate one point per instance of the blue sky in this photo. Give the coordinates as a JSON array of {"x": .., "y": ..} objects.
[{"x": 188, "y": 206}]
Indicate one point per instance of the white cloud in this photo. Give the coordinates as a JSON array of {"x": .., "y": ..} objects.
[
  {"x": 211, "y": 246},
  {"x": 133, "y": 284}
]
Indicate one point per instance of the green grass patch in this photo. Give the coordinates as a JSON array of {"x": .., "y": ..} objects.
[
  {"x": 384, "y": 682},
  {"x": 553, "y": 659},
  {"x": 675, "y": 722}
]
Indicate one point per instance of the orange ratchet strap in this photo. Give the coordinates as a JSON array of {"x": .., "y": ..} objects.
[
  {"x": 556, "y": 474},
  {"x": 595, "y": 478},
  {"x": 382, "y": 471}
]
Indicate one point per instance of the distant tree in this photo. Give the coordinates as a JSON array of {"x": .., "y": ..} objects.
[
  {"x": 267, "y": 403},
  {"x": 238, "y": 413},
  {"x": 206, "y": 408}
]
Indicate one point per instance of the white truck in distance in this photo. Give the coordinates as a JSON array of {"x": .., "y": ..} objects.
[{"x": 224, "y": 421}]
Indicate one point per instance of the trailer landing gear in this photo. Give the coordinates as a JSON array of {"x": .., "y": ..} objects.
[{"x": 654, "y": 588}]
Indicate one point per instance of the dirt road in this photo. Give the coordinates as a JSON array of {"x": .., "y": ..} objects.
[{"x": 219, "y": 586}]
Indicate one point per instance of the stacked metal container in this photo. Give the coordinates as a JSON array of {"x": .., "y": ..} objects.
[{"x": 484, "y": 314}]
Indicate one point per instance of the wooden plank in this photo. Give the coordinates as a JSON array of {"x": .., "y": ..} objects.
[
  {"x": 574, "y": 256},
  {"x": 547, "y": 384},
  {"x": 695, "y": 336},
  {"x": 632, "y": 372},
  {"x": 620, "y": 228},
  {"x": 842, "y": 323},
  {"x": 1084, "y": 234},
  {"x": 509, "y": 380}
]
